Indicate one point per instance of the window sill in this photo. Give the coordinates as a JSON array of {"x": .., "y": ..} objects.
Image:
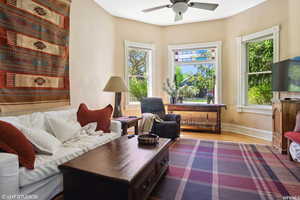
[
  {"x": 256, "y": 109},
  {"x": 133, "y": 106}
]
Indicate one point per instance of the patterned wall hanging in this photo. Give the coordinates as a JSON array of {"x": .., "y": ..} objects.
[{"x": 34, "y": 51}]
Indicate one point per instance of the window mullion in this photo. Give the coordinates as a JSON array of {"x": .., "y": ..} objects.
[{"x": 257, "y": 73}]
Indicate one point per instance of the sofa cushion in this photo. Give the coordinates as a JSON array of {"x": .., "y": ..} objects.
[
  {"x": 47, "y": 165},
  {"x": 63, "y": 130},
  {"x": 102, "y": 117},
  {"x": 12, "y": 140},
  {"x": 34, "y": 120},
  {"x": 42, "y": 141}
]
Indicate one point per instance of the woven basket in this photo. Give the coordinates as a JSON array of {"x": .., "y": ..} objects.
[{"x": 148, "y": 139}]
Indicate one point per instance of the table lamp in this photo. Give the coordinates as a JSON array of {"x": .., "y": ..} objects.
[{"x": 117, "y": 85}]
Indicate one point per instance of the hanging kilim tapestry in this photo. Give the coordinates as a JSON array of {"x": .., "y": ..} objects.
[{"x": 34, "y": 51}]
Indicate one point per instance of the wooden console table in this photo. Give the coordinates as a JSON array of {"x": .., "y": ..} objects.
[{"x": 195, "y": 122}]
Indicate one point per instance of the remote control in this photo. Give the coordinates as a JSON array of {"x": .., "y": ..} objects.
[{"x": 130, "y": 136}]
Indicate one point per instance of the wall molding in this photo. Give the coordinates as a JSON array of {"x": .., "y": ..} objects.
[{"x": 253, "y": 132}]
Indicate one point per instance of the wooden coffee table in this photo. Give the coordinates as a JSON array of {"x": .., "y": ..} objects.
[{"x": 118, "y": 170}]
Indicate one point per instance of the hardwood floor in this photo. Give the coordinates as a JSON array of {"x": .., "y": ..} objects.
[{"x": 225, "y": 136}]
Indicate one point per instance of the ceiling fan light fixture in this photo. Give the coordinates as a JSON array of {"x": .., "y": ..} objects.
[
  {"x": 180, "y": 7},
  {"x": 178, "y": 17}
]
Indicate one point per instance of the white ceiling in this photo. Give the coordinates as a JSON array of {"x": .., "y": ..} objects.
[{"x": 132, "y": 9}]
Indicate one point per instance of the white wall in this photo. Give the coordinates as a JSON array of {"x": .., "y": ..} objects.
[{"x": 92, "y": 46}]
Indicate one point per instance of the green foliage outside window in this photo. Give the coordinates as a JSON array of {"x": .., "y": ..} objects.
[
  {"x": 192, "y": 87},
  {"x": 260, "y": 59},
  {"x": 138, "y": 88},
  {"x": 138, "y": 84}
]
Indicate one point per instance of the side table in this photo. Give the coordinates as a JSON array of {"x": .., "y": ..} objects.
[{"x": 128, "y": 122}]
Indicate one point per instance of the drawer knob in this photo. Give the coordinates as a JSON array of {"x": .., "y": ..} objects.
[
  {"x": 146, "y": 184},
  {"x": 163, "y": 162}
]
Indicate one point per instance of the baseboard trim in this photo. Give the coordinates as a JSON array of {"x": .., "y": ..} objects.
[{"x": 253, "y": 132}]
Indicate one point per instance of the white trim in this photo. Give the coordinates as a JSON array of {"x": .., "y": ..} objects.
[
  {"x": 242, "y": 105},
  {"x": 257, "y": 109},
  {"x": 151, "y": 47},
  {"x": 218, "y": 45},
  {"x": 243, "y": 130},
  {"x": 264, "y": 33}
]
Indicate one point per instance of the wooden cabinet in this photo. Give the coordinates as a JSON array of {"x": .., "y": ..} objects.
[{"x": 284, "y": 118}]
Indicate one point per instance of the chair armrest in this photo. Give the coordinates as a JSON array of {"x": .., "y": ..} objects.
[
  {"x": 173, "y": 117},
  {"x": 116, "y": 127},
  {"x": 9, "y": 174},
  {"x": 167, "y": 123}
]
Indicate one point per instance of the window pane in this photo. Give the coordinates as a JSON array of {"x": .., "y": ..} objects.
[
  {"x": 137, "y": 61},
  {"x": 260, "y": 55},
  {"x": 195, "y": 55},
  {"x": 259, "y": 89},
  {"x": 138, "y": 65},
  {"x": 138, "y": 87},
  {"x": 196, "y": 83}
]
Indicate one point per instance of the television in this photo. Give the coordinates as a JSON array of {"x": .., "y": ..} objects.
[{"x": 286, "y": 75}]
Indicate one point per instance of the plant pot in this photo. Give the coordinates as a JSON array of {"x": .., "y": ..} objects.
[
  {"x": 180, "y": 99},
  {"x": 173, "y": 100}
]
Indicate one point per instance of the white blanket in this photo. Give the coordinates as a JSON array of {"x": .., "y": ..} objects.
[
  {"x": 146, "y": 124},
  {"x": 295, "y": 151}
]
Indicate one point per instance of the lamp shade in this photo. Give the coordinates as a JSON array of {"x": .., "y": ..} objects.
[{"x": 115, "y": 84}]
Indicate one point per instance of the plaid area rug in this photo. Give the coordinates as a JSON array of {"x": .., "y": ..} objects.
[{"x": 205, "y": 170}]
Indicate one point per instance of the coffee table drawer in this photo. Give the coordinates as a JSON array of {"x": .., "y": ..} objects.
[
  {"x": 144, "y": 185},
  {"x": 162, "y": 162}
]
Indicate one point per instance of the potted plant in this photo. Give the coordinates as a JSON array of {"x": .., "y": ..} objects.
[{"x": 171, "y": 90}]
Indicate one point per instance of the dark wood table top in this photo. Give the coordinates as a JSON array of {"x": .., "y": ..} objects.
[
  {"x": 127, "y": 119},
  {"x": 119, "y": 160},
  {"x": 197, "y": 105}
]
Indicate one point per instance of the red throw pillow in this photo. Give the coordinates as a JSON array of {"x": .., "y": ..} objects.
[
  {"x": 102, "y": 117},
  {"x": 13, "y": 141},
  {"x": 294, "y": 136}
]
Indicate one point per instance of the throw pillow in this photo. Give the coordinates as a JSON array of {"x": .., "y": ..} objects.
[
  {"x": 12, "y": 140},
  {"x": 62, "y": 129},
  {"x": 102, "y": 117},
  {"x": 42, "y": 141},
  {"x": 294, "y": 136}
]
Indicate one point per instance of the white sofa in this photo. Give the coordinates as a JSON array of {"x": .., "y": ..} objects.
[{"x": 45, "y": 181}]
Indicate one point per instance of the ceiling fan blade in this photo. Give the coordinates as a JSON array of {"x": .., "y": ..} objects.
[
  {"x": 157, "y": 8},
  {"x": 178, "y": 17},
  {"x": 204, "y": 6}
]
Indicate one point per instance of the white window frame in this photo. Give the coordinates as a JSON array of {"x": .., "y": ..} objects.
[
  {"x": 150, "y": 68},
  {"x": 217, "y": 45},
  {"x": 242, "y": 80}
]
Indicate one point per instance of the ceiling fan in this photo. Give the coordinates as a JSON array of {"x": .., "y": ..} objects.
[{"x": 181, "y": 6}]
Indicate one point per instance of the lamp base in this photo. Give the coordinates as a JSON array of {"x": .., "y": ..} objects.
[{"x": 117, "y": 109}]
